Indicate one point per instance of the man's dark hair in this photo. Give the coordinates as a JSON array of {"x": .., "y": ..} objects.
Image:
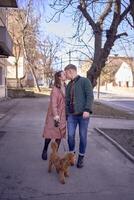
[{"x": 70, "y": 66}]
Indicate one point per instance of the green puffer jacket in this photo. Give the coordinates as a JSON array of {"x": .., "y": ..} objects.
[{"x": 83, "y": 95}]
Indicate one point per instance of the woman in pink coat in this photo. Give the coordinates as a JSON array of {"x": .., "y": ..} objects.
[{"x": 55, "y": 124}]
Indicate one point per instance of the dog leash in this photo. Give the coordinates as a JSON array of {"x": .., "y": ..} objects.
[
  {"x": 56, "y": 124},
  {"x": 63, "y": 142},
  {"x": 64, "y": 145}
]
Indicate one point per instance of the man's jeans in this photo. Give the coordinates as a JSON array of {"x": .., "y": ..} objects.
[{"x": 72, "y": 122}]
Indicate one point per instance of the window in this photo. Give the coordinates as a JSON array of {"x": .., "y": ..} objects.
[{"x": 0, "y": 75}]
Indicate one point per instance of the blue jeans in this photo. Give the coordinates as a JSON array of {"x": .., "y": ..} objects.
[{"x": 72, "y": 122}]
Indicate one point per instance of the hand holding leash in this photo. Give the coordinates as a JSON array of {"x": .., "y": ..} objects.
[{"x": 56, "y": 121}]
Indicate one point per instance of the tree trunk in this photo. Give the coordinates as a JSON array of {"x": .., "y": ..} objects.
[
  {"x": 95, "y": 70},
  {"x": 35, "y": 79},
  {"x": 101, "y": 55},
  {"x": 29, "y": 63},
  {"x": 17, "y": 79}
]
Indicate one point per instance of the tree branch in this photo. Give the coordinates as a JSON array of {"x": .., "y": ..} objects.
[
  {"x": 126, "y": 11},
  {"x": 116, "y": 17},
  {"x": 129, "y": 22},
  {"x": 111, "y": 32},
  {"x": 121, "y": 34},
  {"x": 132, "y": 9},
  {"x": 83, "y": 8},
  {"x": 106, "y": 11}
]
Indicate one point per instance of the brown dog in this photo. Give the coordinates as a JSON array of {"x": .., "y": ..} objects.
[
  {"x": 65, "y": 163},
  {"x": 54, "y": 159},
  {"x": 61, "y": 164}
]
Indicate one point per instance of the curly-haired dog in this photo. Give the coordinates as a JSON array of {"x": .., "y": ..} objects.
[
  {"x": 54, "y": 159},
  {"x": 65, "y": 163},
  {"x": 61, "y": 164}
]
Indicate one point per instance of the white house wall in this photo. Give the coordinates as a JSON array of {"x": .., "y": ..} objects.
[
  {"x": 124, "y": 74},
  {"x": 11, "y": 68}
]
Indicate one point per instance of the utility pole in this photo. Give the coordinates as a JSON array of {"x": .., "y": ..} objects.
[{"x": 69, "y": 53}]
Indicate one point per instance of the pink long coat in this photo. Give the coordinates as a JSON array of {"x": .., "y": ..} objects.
[{"x": 56, "y": 107}]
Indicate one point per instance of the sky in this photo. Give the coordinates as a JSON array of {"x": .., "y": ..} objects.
[{"x": 65, "y": 29}]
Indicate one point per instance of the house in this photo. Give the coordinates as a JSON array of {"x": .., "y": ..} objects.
[
  {"x": 124, "y": 76},
  {"x": 11, "y": 70},
  {"x": 85, "y": 66},
  {"x": 6, "y": 44},
  {"x": 118, "y": 71},
  {"x": 122, "y": 70}
]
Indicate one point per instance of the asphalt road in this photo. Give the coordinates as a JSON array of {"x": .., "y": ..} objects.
[
  {"x": 107, "y": 174},
  {"x": 123, "y": 102}
]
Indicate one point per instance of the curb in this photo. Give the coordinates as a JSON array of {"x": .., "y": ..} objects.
[
  {"x": 110, "y": 117},
  {"x": 117, "y": 145}
]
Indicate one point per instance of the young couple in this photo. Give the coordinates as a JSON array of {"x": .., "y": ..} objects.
[{"x": 72, "y": 102}]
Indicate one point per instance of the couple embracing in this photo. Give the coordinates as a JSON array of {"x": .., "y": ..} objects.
[{"x": 72, "y": 102}]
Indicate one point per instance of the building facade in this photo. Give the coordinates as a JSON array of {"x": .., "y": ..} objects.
[
  {"x": 124, "y": 76},
  {"x": 6, "y": 45}
]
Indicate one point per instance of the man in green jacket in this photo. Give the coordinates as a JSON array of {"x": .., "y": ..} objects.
[{"x": 79, "y": 100}]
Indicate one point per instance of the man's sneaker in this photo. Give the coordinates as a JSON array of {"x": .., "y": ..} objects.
[
  {"x": 80, "y": 161},
  {"x": 44, "y": 155}
]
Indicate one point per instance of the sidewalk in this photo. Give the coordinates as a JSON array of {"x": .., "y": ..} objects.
[
  {"x": 96, "y": 123},
  {"x": 6, "y": 105},
  {"x": 100, "y": 122},
  {"x": 118, "y": 91},
  {"x": 107, "y": 173}
]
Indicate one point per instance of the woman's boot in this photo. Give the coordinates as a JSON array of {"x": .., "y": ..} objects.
[{"x": 44, "y": 152}]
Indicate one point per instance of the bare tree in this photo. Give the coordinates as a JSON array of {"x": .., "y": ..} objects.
[
  {"x": 49, "y": 50},
  {"x": 104, "y": 18},
  {"x": 16, "y": 35},
  {"x": 30, "y": 43},
  {"x": 26, "y": 39}
]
